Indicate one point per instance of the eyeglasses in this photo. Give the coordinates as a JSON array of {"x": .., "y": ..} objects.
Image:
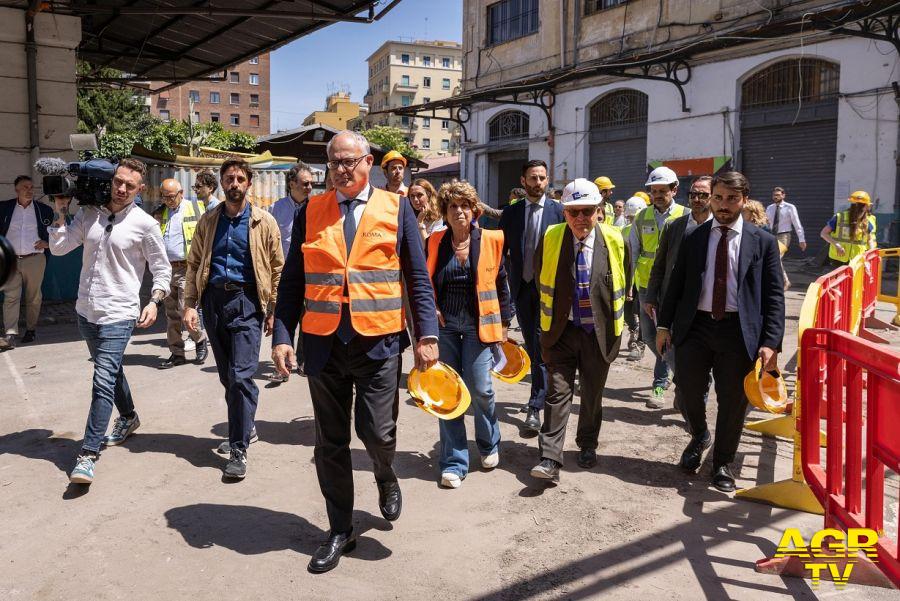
[
  {"x": 699, "y": 195},
  {"x": 171, "y": 196},
  {"x": 345, "y": 164},
  {"x": 587, "y": 212},
  {"x": 111, "y": 219}
]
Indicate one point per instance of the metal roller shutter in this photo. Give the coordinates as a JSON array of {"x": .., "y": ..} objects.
[{"x": 620, "y": 153}]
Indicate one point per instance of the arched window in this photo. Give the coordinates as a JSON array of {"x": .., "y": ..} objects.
[
  {"x": 807, "y": 80},
  {"x": 509, "y": 125},
  {"x": 624, "y": 107}
]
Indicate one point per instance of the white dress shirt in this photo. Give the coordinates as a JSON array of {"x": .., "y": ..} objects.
[
  {"x": 735, "y": 232},
  {"x": 588, "y": 252},
  {"x": 620, "y": 221},
  {"x": 692, "y": 223},
  {"x": 113, "y": 265},
  {"x": 23, "y": 230},
  {"x": 787, "y": 219},
  {"x": 283, "y": 210},
  {"x": 174, "y": 234}
]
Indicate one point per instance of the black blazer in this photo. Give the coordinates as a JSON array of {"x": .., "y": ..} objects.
[
  {"x": 446, "y": 254},
  {"x": 601, "y": 294},
  {"x": 512, "y": 222},
  {"x": 669, "y": 242},
  {"x": 42, "y": 212},
  {"x": 291, "y": 290},
  {"x": 760, "y": 288}
]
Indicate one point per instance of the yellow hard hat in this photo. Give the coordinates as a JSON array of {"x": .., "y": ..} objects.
[
  {"x": 766, "y": 389},
  {"x": 393, "y": 156},
  {"x": 860, "y": 197},
  {"x": 514, "y": 363},
  {"x": 439, "y": 391},
  {"x": 643, "y": 195},
  {"x": 604, "y": 183}
]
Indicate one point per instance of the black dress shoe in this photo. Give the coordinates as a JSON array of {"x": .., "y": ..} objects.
[
  {"x": 390, "y": 501},
  {"x": 172, "y": 361},
  {"x": 723, "y": 479},
  {"x": 202, "y": 351},
  {"x": 692, "y": 456},
  {"x": 28, "y": 337},
  {"x": 329, "y": 553},
  {"x": 587, "y": 458},
  {"x": 547, "y": 469},
  {"x": 533, "y": 420}
]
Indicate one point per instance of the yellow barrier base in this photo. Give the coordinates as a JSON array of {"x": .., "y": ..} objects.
[
  {"x": 787, "y": 493},
  {"x": 779, "y": 426}
]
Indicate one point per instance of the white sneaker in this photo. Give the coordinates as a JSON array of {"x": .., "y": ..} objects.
[
  {"x": 450, "y": 480},
  {"x": 491, "y": 461}
]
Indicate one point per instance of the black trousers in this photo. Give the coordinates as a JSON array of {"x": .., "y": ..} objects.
[
  {"x": 717, "y": 346},
  {"x": 575, "y": 349},
  {"x": 375, "y": 417},
  {"x": 528, "y": 312}
]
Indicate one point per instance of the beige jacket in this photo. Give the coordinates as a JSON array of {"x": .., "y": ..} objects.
[{"x": 265, "y": 250}]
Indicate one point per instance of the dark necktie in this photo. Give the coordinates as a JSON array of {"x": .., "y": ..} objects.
[
  {"x": 775, "y": 219},
  {"x": 581, "y": 299},
  {"x": 531, "y": 236},
  {"x": 345, "y": 331},
  {"x": 720, "y": 284}
]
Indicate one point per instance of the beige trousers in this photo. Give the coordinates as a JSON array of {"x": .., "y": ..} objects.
[
  {"x": 175, "y": 309},
  {"x": 26, "y": 281}
]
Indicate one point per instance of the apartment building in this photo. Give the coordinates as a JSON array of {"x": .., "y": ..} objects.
[
  {"x": 239, "y": 102},
  {"x": 339, "y": 109},
  {"x": 418, "y": 72},
  {"x": 793, "y": 93}
]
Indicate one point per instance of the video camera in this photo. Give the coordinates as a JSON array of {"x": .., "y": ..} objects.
[
  {"x": 7, "y": 260},
  {"x": 89, "y": 182}
]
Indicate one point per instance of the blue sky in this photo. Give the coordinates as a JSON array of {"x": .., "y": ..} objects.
[{"x": 303, "y": 70}]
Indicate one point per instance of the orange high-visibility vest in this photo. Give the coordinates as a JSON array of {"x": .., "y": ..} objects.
[
  {"x": 369, "y": 279},
  {"x": 490, "y": 326}
]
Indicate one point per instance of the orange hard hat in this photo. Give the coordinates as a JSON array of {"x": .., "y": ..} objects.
[
  {"x": 512, "y": 364},
  {"x": 766, "y": 389},
  {"x": 439, "y": 390}
]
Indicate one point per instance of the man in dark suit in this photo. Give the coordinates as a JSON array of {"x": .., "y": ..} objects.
[
  {"x": 356, "y": 241},
  {"x": 24, "y": 223},
  {"x": 523, "y": 224},
  {"x": 724, "y": 307},
  {"x": 581, "y": 271}
]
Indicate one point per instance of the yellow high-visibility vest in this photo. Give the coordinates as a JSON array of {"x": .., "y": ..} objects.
[
  {"x": 853, "y": 244},
  {"x": 649, "y": 232},
  {"x": 191, "y": 212}
]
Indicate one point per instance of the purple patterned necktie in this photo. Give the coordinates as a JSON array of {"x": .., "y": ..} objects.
[{"x": 581, "y": 299}]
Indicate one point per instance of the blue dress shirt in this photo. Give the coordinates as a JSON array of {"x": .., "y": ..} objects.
[{"x": 231, "y": 261}]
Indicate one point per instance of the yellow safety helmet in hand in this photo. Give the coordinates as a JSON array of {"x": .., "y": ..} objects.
[
  {"x": 860, "y": 197},
  {"x": 604, "y": 183},
  {"x": 766, "y": 389},
  {"x": 511, "y": 363},
  {"x": 439, "y": 391}
]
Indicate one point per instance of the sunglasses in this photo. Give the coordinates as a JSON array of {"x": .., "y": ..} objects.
[
  {"x": 111, "y": 219},
  {"x": 586, "y": 212},
  {"x": 700, "y": 195}
]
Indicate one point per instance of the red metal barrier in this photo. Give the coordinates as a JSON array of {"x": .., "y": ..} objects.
[
  {"x": 872, "y": 267},
  {"x": 847, "y": 359}
]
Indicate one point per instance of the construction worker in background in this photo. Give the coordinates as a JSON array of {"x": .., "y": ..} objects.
[
  {"x": 636, "y": 345},
  {"x": 394, "y": 166},
  {"x": 851, "y": 232},
  {"x": 619, "y": 218},
  {"x": 643, "y": 196},
  {"x": 605, "y": 185},
  {"x": 663, "y": 185}
]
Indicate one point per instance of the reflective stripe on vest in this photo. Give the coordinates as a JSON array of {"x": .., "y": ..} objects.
[
  {"x": 369, "y": 279},
  {"x": 490, "y": 324},
  {"x": 191, "y": 213},
  {"x": 649, "y": 233},
  {"x": 615, "y": 248},
  {"x": 853, "y": 245}
]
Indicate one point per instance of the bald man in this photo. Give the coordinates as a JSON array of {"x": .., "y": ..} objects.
[{"x": 179, "y": 220}]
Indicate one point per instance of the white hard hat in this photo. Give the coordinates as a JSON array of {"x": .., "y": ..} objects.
[
  {"x": 662, "y": 175},
  {"x": 634, "y": 205},
  {"x": 581, "y": 192}
]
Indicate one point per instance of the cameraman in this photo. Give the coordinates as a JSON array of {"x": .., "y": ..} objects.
[{"x": 118, "y": 239}]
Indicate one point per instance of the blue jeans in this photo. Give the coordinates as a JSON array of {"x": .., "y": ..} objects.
[
  {"x": 461, "y": 349},
  {"x": 648, "y": 335},
  {"x": 106, "y": 343}
]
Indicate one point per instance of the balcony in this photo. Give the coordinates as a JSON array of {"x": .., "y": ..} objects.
[{"x": 410, "y": 87}]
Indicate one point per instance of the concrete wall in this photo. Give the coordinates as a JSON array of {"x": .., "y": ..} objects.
[{"x": 57, "y": 36}]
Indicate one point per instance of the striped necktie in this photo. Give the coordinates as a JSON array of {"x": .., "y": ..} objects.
[{"x": 581, "y": 300}]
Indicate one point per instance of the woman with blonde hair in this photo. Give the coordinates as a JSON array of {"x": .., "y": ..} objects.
[
  {"x": 423, "y": 198},
  {"x": 755, "y": 213}
]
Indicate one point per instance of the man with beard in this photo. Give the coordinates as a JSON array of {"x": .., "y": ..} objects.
[
  {"x": 669, "y": 242},
  {"x": 723, "y": 308},
  {"x": 524, "y": 225},
  {"x": 394, "y": 166},
  {"x": 233, "y": 271}
]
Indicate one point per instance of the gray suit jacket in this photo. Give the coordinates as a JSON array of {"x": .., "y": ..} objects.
[
  {"x": 601, "y": 294},
  {"x": 669, "y": 242}
]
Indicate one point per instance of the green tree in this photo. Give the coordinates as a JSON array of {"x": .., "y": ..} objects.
[
  {"x": 390, "y": 138},
  {"x": 104, "y": 109}
]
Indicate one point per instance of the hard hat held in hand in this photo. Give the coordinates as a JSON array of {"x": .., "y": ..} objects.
[
  {"x": 439, "y": 391},
  {"x": 766, "y": 389},
  {"x": 511, "y": 362}
]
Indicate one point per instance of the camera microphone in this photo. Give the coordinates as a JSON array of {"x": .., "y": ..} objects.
[
  {"x": 51, "y": 166},
  {"x": 54, "y": 171}
]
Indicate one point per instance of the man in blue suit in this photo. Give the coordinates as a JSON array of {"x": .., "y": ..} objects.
[
  {"x": 348, "y": 250},
  {"x": 523, "y": 224},
  {"x": 724, "y": 307}
]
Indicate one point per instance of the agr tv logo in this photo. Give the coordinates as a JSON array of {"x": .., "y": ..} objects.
[{"x": 827, "y": 551}]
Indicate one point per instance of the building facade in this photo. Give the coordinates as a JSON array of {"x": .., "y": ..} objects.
[
  {"x": 783, "y": 93},
  {"x": 409, "y": 73},
  {"x": 339, "y": 109},
  {"x": 240, "y": 102}
]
